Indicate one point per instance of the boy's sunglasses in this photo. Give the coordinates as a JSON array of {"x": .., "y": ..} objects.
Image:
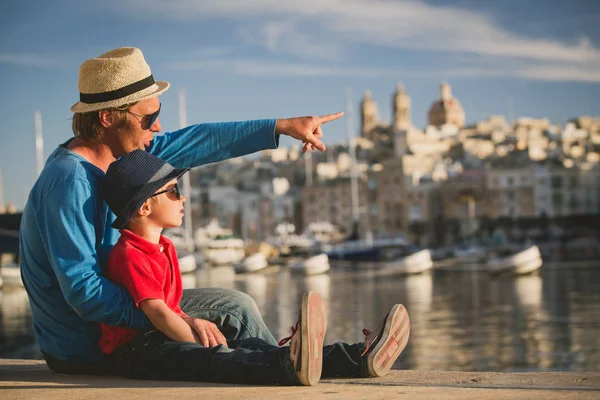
[
  {"x": 172, "y": 193},
  {"x": 150, "y": 118}
]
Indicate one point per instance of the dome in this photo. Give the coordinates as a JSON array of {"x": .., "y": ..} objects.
[{"x": 446, "y": 109}]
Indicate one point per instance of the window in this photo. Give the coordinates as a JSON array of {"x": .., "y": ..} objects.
[
  {"x": 573, "y": 182},
  {"x": 557, "y": 199},
  {"x": 511, "y": 181},
  {"x": 556, "y": 182}
]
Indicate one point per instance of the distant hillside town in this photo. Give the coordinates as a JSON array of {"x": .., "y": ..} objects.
[{"x": 448, "y": 183}]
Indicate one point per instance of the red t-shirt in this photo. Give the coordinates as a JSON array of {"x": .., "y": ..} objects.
[{"x": 148, "y": 271}]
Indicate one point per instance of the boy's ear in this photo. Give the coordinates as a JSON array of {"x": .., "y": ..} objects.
[{"x": 145, "y": 209}]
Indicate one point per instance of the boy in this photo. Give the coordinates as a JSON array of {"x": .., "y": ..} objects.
[{"x": 142, "y": 191}]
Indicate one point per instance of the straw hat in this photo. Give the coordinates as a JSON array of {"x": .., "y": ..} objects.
[{"x": 113, "y": 79}]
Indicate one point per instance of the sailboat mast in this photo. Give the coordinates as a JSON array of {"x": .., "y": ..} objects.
[
  {"x": 308, "y": 171},
  {"x": 352, "y": 147},
  {"x": 187, "y": 186},
  {"x": 1, "y": 192},
  {"x": 39, "y": 142}
]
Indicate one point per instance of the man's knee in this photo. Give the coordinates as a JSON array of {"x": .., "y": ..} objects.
[{"x": 242, "y": 300}]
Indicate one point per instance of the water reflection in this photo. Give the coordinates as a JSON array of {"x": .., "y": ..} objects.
[
  {"x": 460, "y": 320},
  {"x": 15, "y": 323}
]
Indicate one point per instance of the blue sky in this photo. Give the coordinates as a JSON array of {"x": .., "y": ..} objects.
[{"x": 247, "y": 59}]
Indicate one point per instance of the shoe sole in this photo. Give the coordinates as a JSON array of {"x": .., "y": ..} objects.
[
  {"x": 314, "y": 326},
  {"x": 393, "y": 340}
]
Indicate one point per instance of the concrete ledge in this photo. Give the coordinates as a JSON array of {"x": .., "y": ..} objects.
[{"x": 26, "y": 379}]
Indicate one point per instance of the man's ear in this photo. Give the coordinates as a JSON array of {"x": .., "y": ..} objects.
[
  {"x": 145, "y": 209},
  {"x": 105, "y": 117}
]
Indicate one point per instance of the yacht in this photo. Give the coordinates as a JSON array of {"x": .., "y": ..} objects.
[
  {"x": 218, "y": 246},
  {"x": 518, "y": 262},
  {"x": 184, "y": 247}
]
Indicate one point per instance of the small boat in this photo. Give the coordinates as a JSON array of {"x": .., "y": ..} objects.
[
  {"x": 218, "y": 245},
  {"x": 313, "y": 265},
  {"x": 187, "y": 263},
  {"x": 369, "y": 249},
  {"x": 252, "y": 263},
  {"x": 414, "y": 263},
  {"x": 520, "y": 263}
]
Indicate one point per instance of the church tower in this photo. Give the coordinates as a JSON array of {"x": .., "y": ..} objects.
[
  {"x": 401, "y": 109},
  {"x": 369, "y": 118},
  {"x": 446, "y": 109}
]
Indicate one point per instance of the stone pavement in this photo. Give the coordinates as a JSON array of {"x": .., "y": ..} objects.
[{"x": 31, "y": 379}]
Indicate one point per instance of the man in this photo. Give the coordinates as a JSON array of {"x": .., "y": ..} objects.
[{"x": 66, "y": 229}]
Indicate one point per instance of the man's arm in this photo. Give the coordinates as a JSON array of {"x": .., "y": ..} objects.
[
  {"x": 206, "y": 143},
  {"x": 167, "y": 321},
  {"x": 70, "y": 229}
]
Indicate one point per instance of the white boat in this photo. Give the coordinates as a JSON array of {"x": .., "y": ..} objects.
[
  {"x": 252, "y": 263},
  {"x": 218, "y": 245},
  {"x": 314, "y": 265},
  {"x": 470, "y": 255},
  {"x": 179, "y": 239},
  {"x": 415, "y": 263},
  {"x": 521, "y": 263},
  {"x": 10, "y": 275},
  {"x": 322, "y": 232},
  {"x": 187, "y": 263},
  {"x": 289, "y": 243}
]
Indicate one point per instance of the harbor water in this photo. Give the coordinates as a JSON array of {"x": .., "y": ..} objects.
[{"x": 460, "y": 320}]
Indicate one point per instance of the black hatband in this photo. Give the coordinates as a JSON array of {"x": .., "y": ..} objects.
[{"x": 91, "y": 98}]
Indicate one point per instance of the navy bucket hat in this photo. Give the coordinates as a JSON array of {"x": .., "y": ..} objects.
[{"x": 133, "y": 179}]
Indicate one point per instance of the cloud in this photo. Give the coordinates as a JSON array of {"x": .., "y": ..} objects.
[
  {"x": 400, "y": 24},
  {"x": 286, "y": 37},
  {"x": 259, "y": 68},
  {"x": 29, "y": 60},
  {"x": 336, "y": 31}
]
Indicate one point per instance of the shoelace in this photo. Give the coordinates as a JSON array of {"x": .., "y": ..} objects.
[
  {"x": 366, "y": 332},
  {"x": 287, "y": 339}
]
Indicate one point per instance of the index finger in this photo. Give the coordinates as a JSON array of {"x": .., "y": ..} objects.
[{"x": 330, "y": 117}]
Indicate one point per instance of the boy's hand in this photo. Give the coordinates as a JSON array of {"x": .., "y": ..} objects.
[{"x": 207, "y": 331}]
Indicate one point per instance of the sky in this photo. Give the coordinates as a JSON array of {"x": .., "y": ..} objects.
[{"x": 251, "y": 59}]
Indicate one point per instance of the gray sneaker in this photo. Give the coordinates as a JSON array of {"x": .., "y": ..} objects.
[
  {"x": 306, "y": 341},
  {"x": 382, "y": 347}
]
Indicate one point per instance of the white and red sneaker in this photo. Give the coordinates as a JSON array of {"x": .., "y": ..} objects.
[
  {"x": 382, "y": 347},
  {"x": 306, "y": 341}
]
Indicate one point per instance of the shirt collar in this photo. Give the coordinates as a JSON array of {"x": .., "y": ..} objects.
[{"x": 143, "y": 244}]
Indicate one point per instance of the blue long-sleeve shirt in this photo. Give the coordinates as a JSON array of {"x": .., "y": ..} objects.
[{"x": 66, "y": 236}]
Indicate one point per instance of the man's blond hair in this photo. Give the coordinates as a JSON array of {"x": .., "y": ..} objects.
[{"x": 87, "y": 126}]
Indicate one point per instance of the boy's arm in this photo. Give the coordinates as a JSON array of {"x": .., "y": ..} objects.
[{"x": 167, "y": 321}]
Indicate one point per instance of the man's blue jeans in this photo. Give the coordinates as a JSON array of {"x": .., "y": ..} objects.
[{"x": 252, "y": 356}]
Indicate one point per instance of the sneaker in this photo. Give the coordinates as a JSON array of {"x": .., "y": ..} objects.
[
  {"x": 383, "y": 346},
  {"x": 306, "y": 341}
]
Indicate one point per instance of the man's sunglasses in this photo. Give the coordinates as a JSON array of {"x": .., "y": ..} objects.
[
  {"x": 150, "y": 118},
  {"x": 172, "y": 193}
]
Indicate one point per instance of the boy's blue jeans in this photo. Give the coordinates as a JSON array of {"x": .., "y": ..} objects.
[{"x": 252, "y": 357}]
